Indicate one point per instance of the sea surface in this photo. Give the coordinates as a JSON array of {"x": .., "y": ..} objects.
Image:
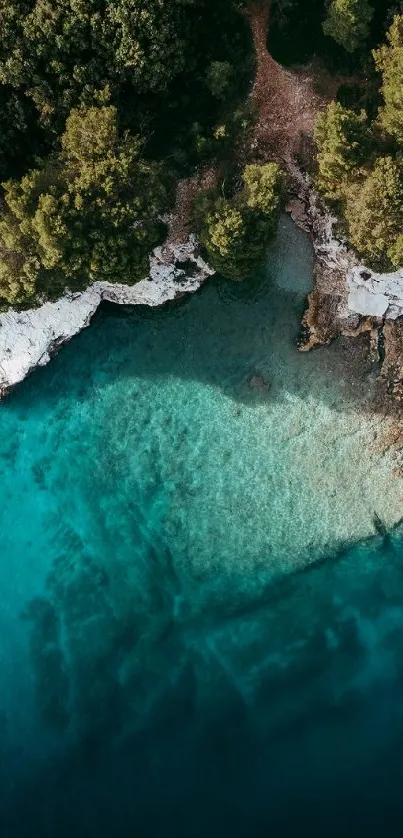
[{"x": 201, "y": 577}]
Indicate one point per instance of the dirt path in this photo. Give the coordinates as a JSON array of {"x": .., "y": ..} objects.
[
  {"x": 285, "y": 101},
  {"x": 179, "y": 225}
]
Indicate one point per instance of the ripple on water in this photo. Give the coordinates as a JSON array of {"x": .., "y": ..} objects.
[{"x": 157, "y": 480}]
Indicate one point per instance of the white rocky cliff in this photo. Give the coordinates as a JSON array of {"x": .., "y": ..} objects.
[
  {"x": 375, "y": 295},
  {"x": 28, "y": 339},
  {"x": 369, "y": 294},
  {"x": 344, "y": 293},
  {"x": 347, "y": 297}
]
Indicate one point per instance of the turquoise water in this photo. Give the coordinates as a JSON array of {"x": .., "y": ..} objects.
[{"x": 200, "y": 630}]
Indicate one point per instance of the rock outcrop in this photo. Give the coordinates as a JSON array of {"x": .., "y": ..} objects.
[
  {"x": 328, "y": 313},
  {"x": 375, "y": 295},
  {"x": 348, "y": 298},
  {"x": 28, "y": 339}
]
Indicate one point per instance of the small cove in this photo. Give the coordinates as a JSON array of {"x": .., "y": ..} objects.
[{"x": 167, "y": 482}]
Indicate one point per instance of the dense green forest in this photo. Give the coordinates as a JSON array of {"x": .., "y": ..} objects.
[
  {"x": 105, "y": 104},
  {"x": 360, "y": 143}
]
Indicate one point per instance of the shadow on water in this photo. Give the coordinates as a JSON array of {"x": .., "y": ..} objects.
[
  {"x": 213, "y": 703},
  {"x": 240, "y": 338},
  {"x": 281, "y": 717}
]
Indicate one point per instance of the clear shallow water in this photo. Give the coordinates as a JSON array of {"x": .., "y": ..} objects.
[{"x": 172, "y": 660}]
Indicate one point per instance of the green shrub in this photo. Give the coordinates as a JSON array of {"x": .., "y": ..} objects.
[
  {"x": 374, "y": 213},
  {"x": 235, "y": 232},
  {"x": 262, "y": 188},
  {"x": 347, "y": 22},
  {"x": 219, "y": 75},
  {"x": 342, "y": 140},
  {"x": 89, "y": 213}
]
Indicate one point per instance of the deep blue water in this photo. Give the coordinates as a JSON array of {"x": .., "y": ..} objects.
[{"x": 196, "y": 638}]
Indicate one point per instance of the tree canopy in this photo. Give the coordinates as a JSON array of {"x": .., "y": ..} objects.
[
  {"x": 347, "y": 21},
  {"x": 89, "y": 213},
  {"x": 235, "y": 231},
  {"x": 342, "y": 138},
  {"x": 359, "y": 160},
  {"x": 374, "y": 213},
  {"x": 64, "y": 52},
  {"x": 105, "y": 104},
  {"x": 389, "y": 61},
  {"x": 102, "y": 104}
]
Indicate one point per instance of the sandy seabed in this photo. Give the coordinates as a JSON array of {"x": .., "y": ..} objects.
[{"x": 162, "y": 482}]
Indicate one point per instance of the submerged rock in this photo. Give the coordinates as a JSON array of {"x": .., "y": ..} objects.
[
  {"x": 256, "y": 381},
  {"x": 28, "y": 339}
]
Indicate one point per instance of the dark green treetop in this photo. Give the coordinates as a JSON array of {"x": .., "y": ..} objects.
[
  {"x": 389, "y": 61},
  {"x": 342, "y": 139},
  {"x": 89, "y": 213},
  {"x": 347, "y": 22},
  {"x": 374, "y": 213},
  {"x": 235, "y": 231}
]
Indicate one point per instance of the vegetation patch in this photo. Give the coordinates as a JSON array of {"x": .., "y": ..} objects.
[
  {"x": 235, "y": 230},
  {"x": 108, "y": 106},
  {"x": 360, "y": 160}
]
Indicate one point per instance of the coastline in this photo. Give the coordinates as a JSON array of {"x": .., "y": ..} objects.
[
  {"x": 29, "y": 339},
  {"x": 348, "y": 298}
]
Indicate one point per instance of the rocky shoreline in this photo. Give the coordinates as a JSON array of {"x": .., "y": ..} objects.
[
  {"x": 28, "y": 339},
  {"x": 347, "y": 297}
]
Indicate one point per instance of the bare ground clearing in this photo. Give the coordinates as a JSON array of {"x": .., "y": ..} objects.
[{"x": 286, "y": 101}]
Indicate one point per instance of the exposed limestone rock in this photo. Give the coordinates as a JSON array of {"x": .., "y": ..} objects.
[
  {"x": 298, "y": 212},
  {"x": 28, "y": 339},
  {"x": 348, "y": 299},
  {"x": 373, "y": 294},
  {"x": 328, "y": 313}
]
